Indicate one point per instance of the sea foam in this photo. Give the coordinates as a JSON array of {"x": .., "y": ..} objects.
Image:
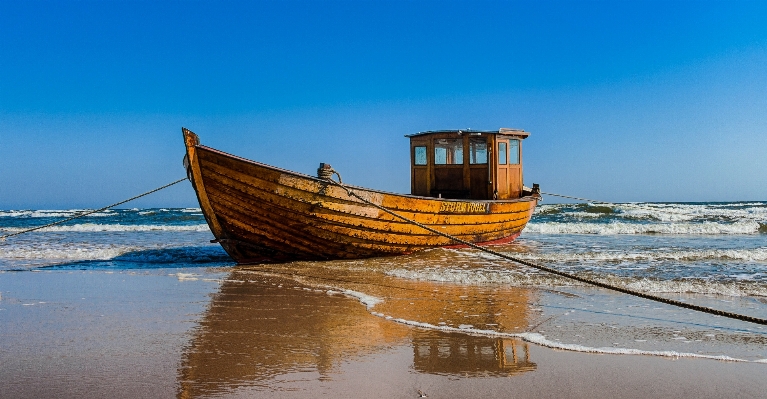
[
  {"x": 68, "y": 252},
  {"x": 616, "y": 228},
  {"x": 92, "y": 227},
  {"x": 688, "y": 255},
  {"x": 52, "y": 213},
  {"x": 540, "y": 339},
  {"x": 520, "y": 278}
]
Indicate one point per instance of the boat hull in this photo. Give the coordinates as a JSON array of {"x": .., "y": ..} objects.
[{"x": 260, "y": 213}]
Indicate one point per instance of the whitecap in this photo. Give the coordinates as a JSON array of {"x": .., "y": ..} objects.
[
  {"x": 91, "y": 227},
  {"x": 520, "y": 277},
  {"x": 65, "y": 252},
  {"x": 616, "y": 228},
  {"x": 688, "y": 255}
]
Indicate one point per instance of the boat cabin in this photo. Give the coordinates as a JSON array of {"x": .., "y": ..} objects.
[{"x": 467, "y": 164}]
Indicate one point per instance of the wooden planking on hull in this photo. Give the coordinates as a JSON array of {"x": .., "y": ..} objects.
[
  {"x": 251, "y": 196},
  {"x": 414, "y": 235},
  {"x": 275, "y": 180},
  {"x": 257, "y": 187}
]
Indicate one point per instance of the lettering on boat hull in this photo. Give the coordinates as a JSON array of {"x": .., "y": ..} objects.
[{"x": 464, "y": 207}]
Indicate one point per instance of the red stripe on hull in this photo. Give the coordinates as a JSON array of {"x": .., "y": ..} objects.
[{"x": 504, "y": 240}]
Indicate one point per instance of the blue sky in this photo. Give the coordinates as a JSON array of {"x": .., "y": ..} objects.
[{"x": 625, "y": 101}]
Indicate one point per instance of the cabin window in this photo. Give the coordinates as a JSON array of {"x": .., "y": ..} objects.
[
  {"x": 477, "y": 151},
  {"x": 502, "y": 153},
  {"x": 419, "y": 155},
  {"x": 448, "y": 152},
  {"x": 514, "y": 152}
]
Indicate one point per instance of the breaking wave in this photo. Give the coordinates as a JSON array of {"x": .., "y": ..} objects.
[
  {"x": 64, "y": 252},
  {"x": 52, "y": 213},
  {"x": 526, "y": 278},
  {"x": 642, "y": 218},
  {"x": 687, "y": 255},
  {"x": 57, "y": 255},
  {"x": 615, "y": 227},
  {"x": 91, "y": 227}
]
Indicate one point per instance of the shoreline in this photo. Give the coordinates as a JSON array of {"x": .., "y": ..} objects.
[{"x": 196, "y": 332}]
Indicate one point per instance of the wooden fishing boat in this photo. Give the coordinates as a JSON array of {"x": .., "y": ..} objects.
[{"x": 260, "y": 213}]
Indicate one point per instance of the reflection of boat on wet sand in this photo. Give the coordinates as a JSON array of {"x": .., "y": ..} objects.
[
  {"x": 464, "y": 183},
  {"x": 258, "y": 329},
  {"x": 254, "y": 331},
  {"x": 469, "y": 355}
]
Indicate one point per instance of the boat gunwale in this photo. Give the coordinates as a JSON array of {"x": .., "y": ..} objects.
[
  {"x": 508, "y": 215},
  {"x": 527, "y": 198}
]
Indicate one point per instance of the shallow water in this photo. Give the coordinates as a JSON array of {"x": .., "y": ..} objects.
[
  {"x": 231, "y": 333},
  {"x": 710, "y": 254}
]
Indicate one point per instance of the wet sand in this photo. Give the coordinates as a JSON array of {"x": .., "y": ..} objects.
[{"x": 193, "y": 333}]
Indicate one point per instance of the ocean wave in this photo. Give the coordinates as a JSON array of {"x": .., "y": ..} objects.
[
  {"x": 368, "y": 300},
  {"x": 664, "y": 212},
  {"x": 91, "y": 227},
  {"x": 74, "y": 252},
  {"x": 203, "y": 254},
  {"x": 540, "y": 339},
  {"x": 52, "y": 213},
  {"x": 692, "y": 212},
  {"x": 65, "y": 213},
  {"x": 615, "y": 228},
  {"x": 56, "y": 254},
  {"x": 692, "y": 286},
  {"x": 689, "y": 255},
  {"x": 526, "y": 278},
  {"x": 585, "y": 215}
]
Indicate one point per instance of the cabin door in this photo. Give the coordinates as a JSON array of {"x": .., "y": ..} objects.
[
  {"x": 479, "y": 169},
  {"x": 420, "y": 171},
  {"x": 502, "y": 170},
  {"x": 509, "y": 168}
]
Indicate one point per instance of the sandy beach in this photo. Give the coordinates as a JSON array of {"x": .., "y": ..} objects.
[
  {"x": 171, "y": 225},
  {"x": 220, "y": 332}
]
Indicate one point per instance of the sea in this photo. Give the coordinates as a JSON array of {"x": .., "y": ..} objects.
[{"x": 709, "y": 254}]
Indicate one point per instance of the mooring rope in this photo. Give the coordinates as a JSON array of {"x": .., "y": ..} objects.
[
  {"x": 673, "y": 302},
  {"x": 79, "y": 215},
  {"x": 576, "y": 198}
]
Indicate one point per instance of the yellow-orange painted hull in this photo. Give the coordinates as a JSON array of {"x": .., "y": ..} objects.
[{"x": 260, "y": 213}]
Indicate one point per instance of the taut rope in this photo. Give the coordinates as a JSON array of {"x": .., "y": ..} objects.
[
  {"x": 545, "y": 268},
  {"x": 79, "y": 215},
  {"x": 576, "y": 198}
]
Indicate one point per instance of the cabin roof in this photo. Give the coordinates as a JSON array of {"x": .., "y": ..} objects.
[{"x": 504, "y": 131}]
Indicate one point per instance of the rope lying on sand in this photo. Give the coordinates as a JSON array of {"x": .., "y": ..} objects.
[
  {"x": 79, "y": 215},
  {"x": 673, "y": 302}
]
